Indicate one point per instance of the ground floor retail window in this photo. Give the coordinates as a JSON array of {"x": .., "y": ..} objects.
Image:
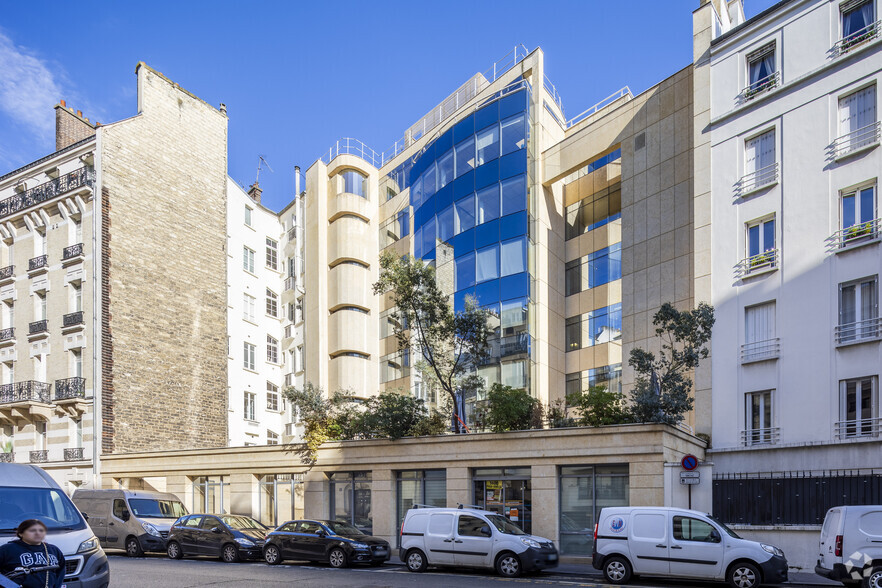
[
  {"x": 584, "y": 490},
  {"x": 208, "y": 494},
  {"x": 419, "y": 488},
  {"x": 278, "y": 497},
  {"x": 351, "y": 499},
  {"x": 507, "y": 491}
]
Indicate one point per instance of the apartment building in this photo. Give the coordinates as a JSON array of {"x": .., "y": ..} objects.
[{"x": 790, "y": 163}]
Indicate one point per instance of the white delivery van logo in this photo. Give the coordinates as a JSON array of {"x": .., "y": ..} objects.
[{"x": 617, "y": 524}]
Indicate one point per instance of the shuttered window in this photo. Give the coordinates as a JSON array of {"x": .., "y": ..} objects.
[
  {"x": 857, "y": 110},
  {"x": 759, "y": 152}
]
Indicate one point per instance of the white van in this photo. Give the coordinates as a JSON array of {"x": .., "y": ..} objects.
[
  {"x": 468, "y": 538},
  {"x": 851, "y": 546},
  {"x": 680, "y": 543},
  {"x": 27, "y": 492},
  {"x": 134, "y": 520}
]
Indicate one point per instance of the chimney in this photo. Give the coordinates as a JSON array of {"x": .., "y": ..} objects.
[
  {"x": 70, "y": 126},
  {"x": 296, "y": 181},
  {"x": 254, "y": 191}
]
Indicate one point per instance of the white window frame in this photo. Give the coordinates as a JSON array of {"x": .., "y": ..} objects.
[
  {"x": 869, "y": 427},
  {"x": 863, "y": 328},
  {"x": 764, "y": 434},
  {"x": 272, "y": 303},
  {"x": 249, "y": 351},
  {"x": 248, "y": 259},
  {"x": 272, "y": 350},
  {"x": 273, "y": 399},
  {"x": 760, "y": 222},
  {"x": 248, "y": 408},
  {"x": 849, "y": 6},
  {"x": 248, "y": 304},
  {"x": 754, "y": 348},
  {"x": 249, "y": 216},
  {"x": 272, "y": 254},
  {"x": 758, "y": 172}
]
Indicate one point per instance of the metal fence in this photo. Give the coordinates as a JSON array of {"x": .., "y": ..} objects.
[{"x": 791, "y": 498}]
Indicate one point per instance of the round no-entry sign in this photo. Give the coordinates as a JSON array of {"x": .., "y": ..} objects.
[{"x": 689, "y": 462}]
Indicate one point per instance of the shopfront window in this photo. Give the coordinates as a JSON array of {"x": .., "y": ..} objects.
[
  {"x": 419, "y": 488},
  {"x": 210, "y": 494},
  {"x": 584, "y": 490},
  {"x": 507, "y": 491},
  {"x": 351, "y": 499},
  {"x": 277, "y": 497}
]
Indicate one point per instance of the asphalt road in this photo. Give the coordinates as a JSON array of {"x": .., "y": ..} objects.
[{"x": 153, "y": 571}]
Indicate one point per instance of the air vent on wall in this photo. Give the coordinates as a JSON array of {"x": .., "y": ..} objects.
[{"x": 640, "y": 141}]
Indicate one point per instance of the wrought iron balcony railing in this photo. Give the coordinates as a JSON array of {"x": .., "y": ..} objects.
[
  {"x": 72, "y": 319},
  {"x": 756, "y": 263},
  {"x": 754, "y": 181},
  {"x": 7, "y": 457},
  {"x": 73, "y": 454},
  {"x": 38, "y": 194},
  {"x": 38, "y": 262},
  {"x": 7, "y": 272},
  {"x": 7, "y": 334},
  {"x": 868, "y": 33},
  {"x": 72, "y": 251},
  {"x": 856, "y": 140},
  {"x": 28, "y": 391},
  {"x": 40, "y": 456},
  {"x": 37, "y": 327},
  {"x": 760, "y": 350},
  {"x": 767, "y": 436},
  {"x": 865, "y": 330},
  {"x": 859, "y": 428},
  {"x": 855, "y": 235},
  {"x": 758, "y": 87},
  {"x": 68, "y": 388}
]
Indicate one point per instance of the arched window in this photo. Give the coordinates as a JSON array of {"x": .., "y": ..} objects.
[{"x": 354, "y": 183}]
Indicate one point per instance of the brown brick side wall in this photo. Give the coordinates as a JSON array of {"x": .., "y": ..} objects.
[
  {"x": 106, "y": 333},
  {"x": 69, "y": 128}
]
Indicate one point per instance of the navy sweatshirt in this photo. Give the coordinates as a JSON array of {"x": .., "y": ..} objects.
[{"x": 17, "y": 554}]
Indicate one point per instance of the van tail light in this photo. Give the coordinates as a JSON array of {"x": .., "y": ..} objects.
[
  {"x": 595, "y": 533},
  {"x": 401, "y": 530},
  {"x": 838, "y": 549}
]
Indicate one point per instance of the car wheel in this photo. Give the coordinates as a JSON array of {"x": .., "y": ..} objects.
[
  {"x": 416, "y": 561},
  {"x": 744, "y": 575},
  {"x": 337, "y": 558},
  {"x": 133, "y": 547},
  {"x": 272, "y": 555},
  {"x": 174, "y": 550},
  {"x": 230, "y": 553},
  {"x": 508, "y": 565},
  {"x": 873, "y": 579},
  {"x": 617, "y": 570}
]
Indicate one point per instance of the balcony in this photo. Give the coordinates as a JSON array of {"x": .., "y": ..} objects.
[
  {"x": 79, "y": 178},
  {"x": 858, "y": 428},
  {"x": 761, "y": 350},
  {"x": 38, "y": 265},
  {"x": 863, "y": 139},
  {"x": 764, "y": 262},
  {"x": 753, "y": 437},
  {"x": 758, "y": 87},
  {"x": 73, "y": 254},
  {"x": 70, "y": 388},
  {"x": 38, "y": 329},
  {"x": 7, "y": 337},
  {"x": 289, "y": 283},
  {"x": 756, "y": 181},
  {"x": 855, "y": 236},
  {"x": 29, "y": 391},
  {"x": 7, "y": 274},
  {"x": 7, "y": 457},
  {"x": 866, "y": 34},
  {"x": 73, "y": 321},
  {"x": 73, "y": 454},
  {"x": 39, "y": 456},
  {"x": 858, "y": 332}
]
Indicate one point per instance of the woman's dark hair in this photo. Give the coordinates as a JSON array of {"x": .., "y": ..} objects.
[{"x": 27, "y": 524}]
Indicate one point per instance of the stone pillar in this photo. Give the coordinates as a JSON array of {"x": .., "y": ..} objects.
[
  {"x": 243, "y": 495},
  {"x": 383, "y": 505},
  {"x": 546, "y": 502},
  {"x": 459, "y": 487},
  {"x": 316, "y": 496}
]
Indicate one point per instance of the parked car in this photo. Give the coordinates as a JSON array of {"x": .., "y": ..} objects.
[
  {"x": 680, "y": 543},
  {"x": 134, "y": 520},
  {"x": 229, "y": 537},
  {"x": 851, "y": 546},
  {"x": 471, "y": 538},
  {"x": 338, "y": 543},
  {"x": 27, "y": 492}
]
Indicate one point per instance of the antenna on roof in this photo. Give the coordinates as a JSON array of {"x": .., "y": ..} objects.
[{"x": 261, "y": 161}]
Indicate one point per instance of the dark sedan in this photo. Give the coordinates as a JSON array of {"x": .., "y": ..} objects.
[
  {"x": 339, "y": 544},
  {"x": 229, "y": 537}
]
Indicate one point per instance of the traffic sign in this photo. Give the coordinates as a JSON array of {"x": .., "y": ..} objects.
[
  {"x": 689, "y": 462},
  {"x": 690, "y": 478}
]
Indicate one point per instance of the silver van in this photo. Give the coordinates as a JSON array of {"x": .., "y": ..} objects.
[
  {"x": 27, "y": 492},
  {"x": 134, "y": 520}
]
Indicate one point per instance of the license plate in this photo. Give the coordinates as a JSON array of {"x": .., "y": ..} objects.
[
  {"x": 552, "y": 557},
  {"x": 380, "y": 551}
]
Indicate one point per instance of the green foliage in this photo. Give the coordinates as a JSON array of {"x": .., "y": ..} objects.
[
  {"x": 449, "y": 343},
  {"x": 599, "y": 406},
  {"x": 511, "y": 409},
  {"x": 6, "y": 447},
  {"x": 556, "y": 413},
  {"x": 684, "y": 337},
  {"x": 393, "y": 415}
]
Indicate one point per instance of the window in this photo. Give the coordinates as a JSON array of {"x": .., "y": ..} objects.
[
  {"x": 8, "y": 314},
  {"x": 350, "y": 499},
  {"x": 248, "y": 308},
  {"x": 513, "y": 257},
  {"x": 354, "y": 183},
  {"x": 465, "y": 214},
  {"x": 514, "y": 135},
  {"x": 249, "y": 356},
  {"x": 40, "y": 306},
  {"x": 272, "y": 349},
  {"x": 584, "y": 490},
  {"x": 689, "y": 529},
  {"x": 355, "y": 354},
  {"x": 488, "y": 144},
  {"x": 272, "y": 438},
  {"x": 465, "y": 156},
  {"x": 445, "y": 169},
  {"x": 598, "y": 268},
  {"x": 272, "y": 397},
  {"x": 249, "y": 406},
  {"x": 857, "y": 18},
  {"x": 429, "y": 182},
  {"x": 857, "y": 121},
  {"x": 394, "y": 366},
  {"x": 390, "y": 193},
  {"x": 389, "y": 322},
  {"x": 248, "y": 211},
  {"x": 428, "y": 230},
  {"x": 120, "y": 511},
  {"x": 858, "y": 214},
  {"x": 487, "y": 264},
  {"x": 298, "y": 359},
  {"x": 761, "y": 244},
  {"x": 761, "y": 70},
  {"x": 428, "y": 487},
  {"x": 858, "y": 310},
  {"x": 465, "y": 271},
  {"x": 77, "y": 297},
  {"x": 759, "y": 333},
  {"x": 76, "y": 432},
  {"x": 272, "y": 303},
  {"x": 248, "y": 259},
  {"x": 416, "y": 193},
  {"x": 445, "y": 224},
  {"x": 758, "y": 418},
  {"x": 858, "y": 408},
  {"x": 514, "y": 195},
  {"x": 76, "y": 363},
  {"x": 272, "y": 254},
  {"x": 603, "y": 325},
  {"x": 351, "y": 308},
  {"x": 470, "y": 526},
  {"x": 759, "y": 162},
  {"x": 594, "y": 211},
  {"x": 488, "y": 204}
]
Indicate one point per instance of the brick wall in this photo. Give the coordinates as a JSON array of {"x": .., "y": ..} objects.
[
  {"x": 70, "y": 127},
  {"x": 164, "y": 327}
]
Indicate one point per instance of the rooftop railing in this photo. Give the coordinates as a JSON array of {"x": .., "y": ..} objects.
[
  {"x": 760, "y": 350},
  {"x": 859, "y": 428},
  {"x": 856, "y": 140},
  {"x": 766, "y": 436},
  {"x": 866, "y": 330},
  {"x": 854, "y": 235},
  {"x": 626, "y": 91},
  {"x": 869, "y": 32},
  {"x": 38, "y": 194},
  {"x": 552, "y": 90},
  {"x": 754, "y": 181},
  {"x": 761, "y": 85}
]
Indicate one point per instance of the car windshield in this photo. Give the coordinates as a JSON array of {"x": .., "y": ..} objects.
[
  {"x": 237, "y": 522},
  {"x": 503, "y": 525},
  {"x": 159, "y": 509},
  {"x": 725, "y": 528},
  {"x": 340, "y": 528},
  {"x": 52, "y": 507}
]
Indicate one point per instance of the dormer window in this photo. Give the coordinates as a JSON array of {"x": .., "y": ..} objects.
[{"x": 761, "y": 71}]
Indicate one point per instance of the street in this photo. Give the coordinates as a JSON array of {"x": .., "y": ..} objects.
[{"x": 157, "y": 570}]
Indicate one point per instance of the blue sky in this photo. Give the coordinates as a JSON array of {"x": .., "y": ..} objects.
[{"x": 297, "y": 76}]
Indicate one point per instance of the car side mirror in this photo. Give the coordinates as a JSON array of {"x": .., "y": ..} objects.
[
  {"x": 215, "y": 530},
  {"x": 86, "y": 516},
  {"x": 485, "y": 531},
  {"x": 714, "y": 536}
]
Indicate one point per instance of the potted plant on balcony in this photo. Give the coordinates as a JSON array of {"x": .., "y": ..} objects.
[
  {"x": 7, "y": 454},
  {"x": 760, "y": 260},
  {"x": 858, "y": 231}
]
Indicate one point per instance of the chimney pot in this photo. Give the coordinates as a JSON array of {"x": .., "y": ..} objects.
[
  {"x": 296, "y": 181},
  {"x": 254, "y": 192},
  {"x": 80, "y": 113},
  {"x": 63, "y": 103}
]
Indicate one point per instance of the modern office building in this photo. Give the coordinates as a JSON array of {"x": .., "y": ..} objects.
[{"x": 788, "y": 162}]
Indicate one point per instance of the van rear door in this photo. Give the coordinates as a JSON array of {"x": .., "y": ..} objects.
[
  {"x": 649, "y": 541},
  {"x": 827, "y": 552}
]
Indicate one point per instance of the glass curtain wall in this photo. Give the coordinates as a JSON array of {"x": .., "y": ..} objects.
[
  {"x": 277, "y": 498},
  {"x": 419, "y": 487},
  {"x": 351, "y": 499},
  {"x": 584, "y": 490},
  {"x": 211, "y": 494}
]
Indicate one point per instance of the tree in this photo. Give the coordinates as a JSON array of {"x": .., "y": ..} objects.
[
  {"x": 393, "y": 415},
  {"x": 511, "y": 409},
  {"x": 599, "y": 406},
  {"x": 317, "y": 415},
  {"x": 557, "y": 415},
  {"x": 662, "y": 390},
  {"x": 450, "y": 343}
]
